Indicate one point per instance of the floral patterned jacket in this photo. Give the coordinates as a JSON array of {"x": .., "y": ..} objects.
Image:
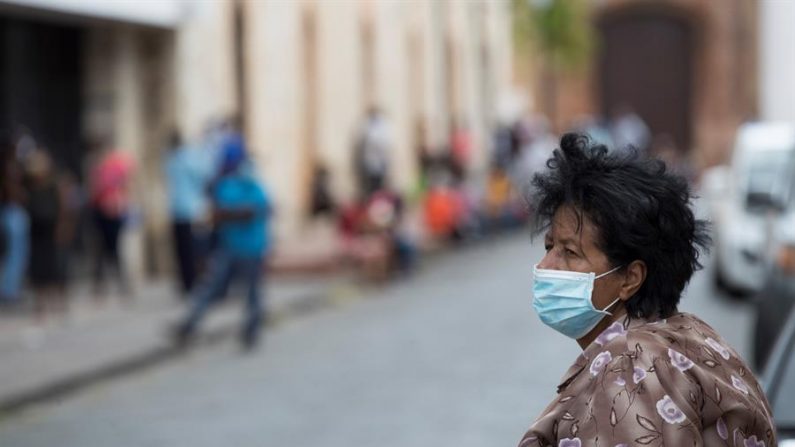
[{"x": 672, "y": 382}]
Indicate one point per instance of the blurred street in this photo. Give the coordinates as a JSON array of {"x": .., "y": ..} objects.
[{"x": 452, "y": 356}]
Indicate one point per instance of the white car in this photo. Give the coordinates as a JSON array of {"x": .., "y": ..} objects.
[{"x": 743, "y": 197}]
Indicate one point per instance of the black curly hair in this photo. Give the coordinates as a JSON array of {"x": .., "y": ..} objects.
[{"x": 641, "y": 211}]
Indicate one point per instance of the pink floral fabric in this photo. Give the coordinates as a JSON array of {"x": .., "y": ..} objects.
[{"x": 672, "y": 382}]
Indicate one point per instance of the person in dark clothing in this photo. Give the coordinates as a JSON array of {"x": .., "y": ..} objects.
[
  {"x": 322, "y": 201},
  {"x": 49, "y": 234}
]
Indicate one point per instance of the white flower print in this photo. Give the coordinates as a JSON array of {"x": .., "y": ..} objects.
[
  {"x": 615, "y": 330},
  {"x": 739, "y": 384},
  {"x": 752, "y": 442},
  {"x": 669, "y": 411},
  {"x": 723, "y": 431},
  {"x": 573, "y": 442},
  {"x": 599, "y": 362},
  {"x": 620, "y": 381},
  {"x": 681, "y": 362},
  {"x": 638, "y": 374},
  {"x": 717, "y": 347}
]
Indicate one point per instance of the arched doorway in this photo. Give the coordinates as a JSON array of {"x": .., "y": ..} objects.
[{"x": 645, "y": 63}]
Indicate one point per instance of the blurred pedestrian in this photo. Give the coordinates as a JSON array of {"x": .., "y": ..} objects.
[
  {"x": 500, "y": 201},
  {"x": 599, "y": 130},
  {"x": 110, "y": 183},
  {"x": 460, "y": 149},
  {"x": 425, "y": 159},
  {"x": 14, "y": 225},
  {"x": 627, "y": 129},
  {"x": 664, "y": 147},
  {"x": 621, "y": 245},
  {"x": 51, "y": 230},
  {"x": 186, "y": 181},
  {"x": 371, "y": 155},
  {"x": 443, "y": 208},
  {"x": 504, "y": 144},
  {"x": 322, "y": 203},
  {"x": 241, "y": 212},
  {"x": 537, "y": 144}
]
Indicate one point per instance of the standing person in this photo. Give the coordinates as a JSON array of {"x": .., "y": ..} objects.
[
  {"x": 241, "y": 210},
  {"x": 537, "y": 144},
  {"x": 372, "y": 152},
  {"x": 322, "y": 203},
  {"x": 628, "y": 129},
  {"x": 13, "y": 226},
  {"x": 460, "y": 149},
  {"x": 621, "y": 244},
  {"x": 50, "y": 233},
  {"x": 185, "y": 178},
  {"x": 442, "y": 208},
  {"x": 110, "y": 181}
]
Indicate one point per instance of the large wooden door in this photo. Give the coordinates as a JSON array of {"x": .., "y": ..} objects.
[{"x": 646, "y": 65}]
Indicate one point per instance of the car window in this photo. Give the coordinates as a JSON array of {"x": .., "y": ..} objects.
[{"x": 766, "y": 171}]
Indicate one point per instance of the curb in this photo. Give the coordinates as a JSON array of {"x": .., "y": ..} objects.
[{"x": 300, "y": 306}]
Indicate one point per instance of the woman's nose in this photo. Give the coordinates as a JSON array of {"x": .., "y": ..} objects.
[{"x": 548, "y": 262}]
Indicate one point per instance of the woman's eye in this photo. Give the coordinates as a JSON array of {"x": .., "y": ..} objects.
[
  {"x": 547, "y": 247},
  {"x": 570, "y": 252}
]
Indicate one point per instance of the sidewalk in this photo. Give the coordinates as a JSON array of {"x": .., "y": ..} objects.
[{"x": 97, "y": 342}]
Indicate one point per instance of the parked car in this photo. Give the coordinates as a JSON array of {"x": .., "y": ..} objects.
[
  {"x": 743, "y": 197},
  {"x": 776, "y": 299},
  {"x": 779, "y": 383}
]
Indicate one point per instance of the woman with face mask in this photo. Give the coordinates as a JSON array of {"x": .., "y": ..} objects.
[{"x": 621, "y": 244}]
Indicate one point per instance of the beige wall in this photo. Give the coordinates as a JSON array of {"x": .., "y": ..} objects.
[
  {"x": 340, "y": 95},
  {"x": 390, "y": 25},
  {"x": 272, "y": 47},
  {"x": 204, "y": 65}
]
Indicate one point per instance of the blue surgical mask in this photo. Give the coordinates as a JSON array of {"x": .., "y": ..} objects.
[{"x": 563, "y": 300}]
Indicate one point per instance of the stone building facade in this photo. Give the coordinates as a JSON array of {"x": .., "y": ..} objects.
[
  {"x": 300, "y": 74},
  {"x": 690, "y": 64}
]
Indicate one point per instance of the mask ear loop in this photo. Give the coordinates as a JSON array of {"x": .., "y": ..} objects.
[
  {"x": 617, "y": 299},
  {"x": 610, "y": 305},
  {"x": 609, "y": 272}
]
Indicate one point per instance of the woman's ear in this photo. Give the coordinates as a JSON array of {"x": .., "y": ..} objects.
[{"x": 633, "y": 279}]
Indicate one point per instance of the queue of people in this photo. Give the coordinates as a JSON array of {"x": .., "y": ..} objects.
[
  {"x": 220, "y": 211},
  {"x": 43, "y": 206},
  {"x": 54, "y": 221},
  {"x": 383, "y": 231}
]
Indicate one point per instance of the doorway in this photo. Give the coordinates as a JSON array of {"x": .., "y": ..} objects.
[{"x": 645, "y": 64}]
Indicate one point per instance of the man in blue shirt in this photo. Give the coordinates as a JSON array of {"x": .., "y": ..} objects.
[{"x": 241, "y": 211}]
